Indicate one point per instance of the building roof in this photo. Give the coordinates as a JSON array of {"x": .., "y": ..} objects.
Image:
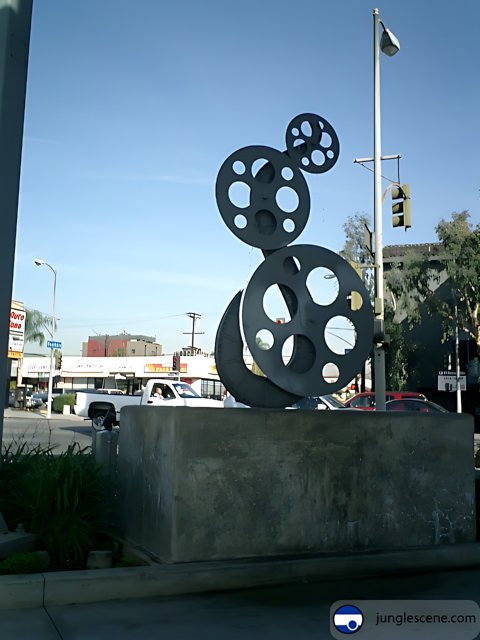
[{"x": 429, "y": 251}]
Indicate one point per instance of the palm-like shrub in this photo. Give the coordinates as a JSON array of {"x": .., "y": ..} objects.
[{"x": 64, "y": 499}]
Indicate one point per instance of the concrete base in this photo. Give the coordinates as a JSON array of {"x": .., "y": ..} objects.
[
  {"x": 209, "y": 484},
  {"x": 15, "y": 543}
]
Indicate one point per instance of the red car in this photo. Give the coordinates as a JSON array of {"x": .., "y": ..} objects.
[{"x": 366, "y": 399}]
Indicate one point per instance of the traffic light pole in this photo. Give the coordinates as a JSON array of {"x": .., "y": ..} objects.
[
  {"x": 51, "y": 372},
  {"x": 379, "y": 350}
]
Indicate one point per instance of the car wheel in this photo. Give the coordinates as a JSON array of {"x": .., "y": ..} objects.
[{"x": 97, "y": 420}]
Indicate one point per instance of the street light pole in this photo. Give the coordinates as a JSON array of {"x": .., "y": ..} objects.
[
  {"x": 390, "y": 46},
  {"x": 457, "y": 363},
  {"x": 40, "y": 263}
]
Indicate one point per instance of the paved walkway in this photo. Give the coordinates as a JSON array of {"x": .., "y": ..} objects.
[{"x": 294, "y": 612}]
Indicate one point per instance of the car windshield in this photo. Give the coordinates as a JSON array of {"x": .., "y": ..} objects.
[
  {"x": 333, "y": 401},
  {"x": 412, "y": 404},
  {"x": 312, "y": 402},
  {"x": 366, "y": 400},
  {"x": 185, "y": 390},
  {"x": 306, "y": 403}
]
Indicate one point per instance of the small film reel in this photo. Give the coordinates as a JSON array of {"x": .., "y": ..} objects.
[
  {"x": 262, "y": 197},
  {"x": 324, "y": 367},
  {"x": 312, "y": 143}
]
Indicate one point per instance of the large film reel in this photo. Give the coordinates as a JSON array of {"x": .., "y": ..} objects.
[
  {"x": 249, "y": 187},
  {"x": 308, "y": 322},
  {"x": 262, "y": 197}
]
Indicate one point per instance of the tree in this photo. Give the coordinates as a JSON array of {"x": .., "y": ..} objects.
[
  {"x": 400, "y": 354},
  {"x": 461, "y": 244},
  {"x": 456, "y": 269},
  {"x": 36, "y": 323},
  {"x": 261, "y": 344},
  {"x": 354, "y": 250}
]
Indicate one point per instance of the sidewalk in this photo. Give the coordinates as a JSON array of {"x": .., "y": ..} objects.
[
  {"x": 298, "y": 611},
  {"x": 9, "y": 412}
]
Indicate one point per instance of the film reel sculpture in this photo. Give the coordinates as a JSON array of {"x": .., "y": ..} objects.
[{"x": 312, "y": 146}]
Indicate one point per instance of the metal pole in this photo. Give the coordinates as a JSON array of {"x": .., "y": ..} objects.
[
  {"x": 379, "y": 352},
  {"x": 50, "y": 377},
  {"x": 15, "y": 23},
  {"x": 457, "y": 359}
]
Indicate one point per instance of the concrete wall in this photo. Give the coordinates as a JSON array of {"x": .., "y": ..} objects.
[{"x": 204, "y": 484}]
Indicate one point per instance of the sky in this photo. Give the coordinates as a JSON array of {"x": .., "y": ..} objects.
[{"x": 132, "y": 108}]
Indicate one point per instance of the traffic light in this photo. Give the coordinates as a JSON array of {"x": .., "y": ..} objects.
[
  {"x": 176, "y": 362},
  {"x": 356, "y": 300},
  {"x": 401, "y": 206},
  {"x": 58, "y": 359}
]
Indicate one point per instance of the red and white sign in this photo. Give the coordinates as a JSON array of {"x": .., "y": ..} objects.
[{"x": 16, "y": 333}]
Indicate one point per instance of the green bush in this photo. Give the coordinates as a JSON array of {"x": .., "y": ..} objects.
[
  {"x": 60, "y": 401},
  {"x": 30, "y": 562},
  {"x": 65, "y": 500},
  {"x": 128, "y": 561}
]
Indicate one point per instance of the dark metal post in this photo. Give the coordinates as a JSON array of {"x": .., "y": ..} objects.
[{"x": 15, "y": 24}]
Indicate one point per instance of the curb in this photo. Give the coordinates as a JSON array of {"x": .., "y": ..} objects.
[{"x": 101, "y": 585}]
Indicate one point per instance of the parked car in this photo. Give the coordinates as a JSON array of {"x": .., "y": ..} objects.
[
  {"x": 320, "y": 403},
  {"x": 41, "y": 395},
  {"x": 414, "y": 404},
  {"x": 366, "y": 399},
  {"x": 32, "y": 402},
  {"x": 229, "y": 402},
  {"x": 327, "y": 402}
]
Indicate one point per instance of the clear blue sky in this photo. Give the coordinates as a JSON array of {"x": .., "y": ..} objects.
[{"x": 132, "y": 107}]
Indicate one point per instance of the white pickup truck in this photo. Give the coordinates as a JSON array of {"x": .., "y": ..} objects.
[{"x": 97, "y": 403}]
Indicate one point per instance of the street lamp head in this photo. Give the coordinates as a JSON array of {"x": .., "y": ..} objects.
[
  {"x": 389, "y": 44},
  {"x": 39, "y": 262}
]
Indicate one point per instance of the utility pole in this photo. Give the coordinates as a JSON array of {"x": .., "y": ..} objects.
[{"x": 194, "y": 316}]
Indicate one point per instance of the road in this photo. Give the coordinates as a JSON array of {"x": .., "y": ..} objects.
[{"x": 34, "y": 427}]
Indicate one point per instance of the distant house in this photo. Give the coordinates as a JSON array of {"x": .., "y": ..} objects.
[{"x": 123, "y": 344}]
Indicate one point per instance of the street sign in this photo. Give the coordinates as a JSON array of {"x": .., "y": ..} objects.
[
  {"x": 447, "y": 381},
  {"x": 51, "y": 344},
  {"x": 368, "y": 240}
]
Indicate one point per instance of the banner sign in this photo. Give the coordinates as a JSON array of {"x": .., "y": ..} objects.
[
  {"x": 16, "y": 333},
  {"x": 447, "y": 381},
  {"x": 164, "y": 368}
]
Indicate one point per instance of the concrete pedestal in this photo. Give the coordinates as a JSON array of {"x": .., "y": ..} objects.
[{"x": 206, "y": 484}]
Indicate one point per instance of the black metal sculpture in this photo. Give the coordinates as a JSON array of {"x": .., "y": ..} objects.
[{"x": 260, "y": 221}]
